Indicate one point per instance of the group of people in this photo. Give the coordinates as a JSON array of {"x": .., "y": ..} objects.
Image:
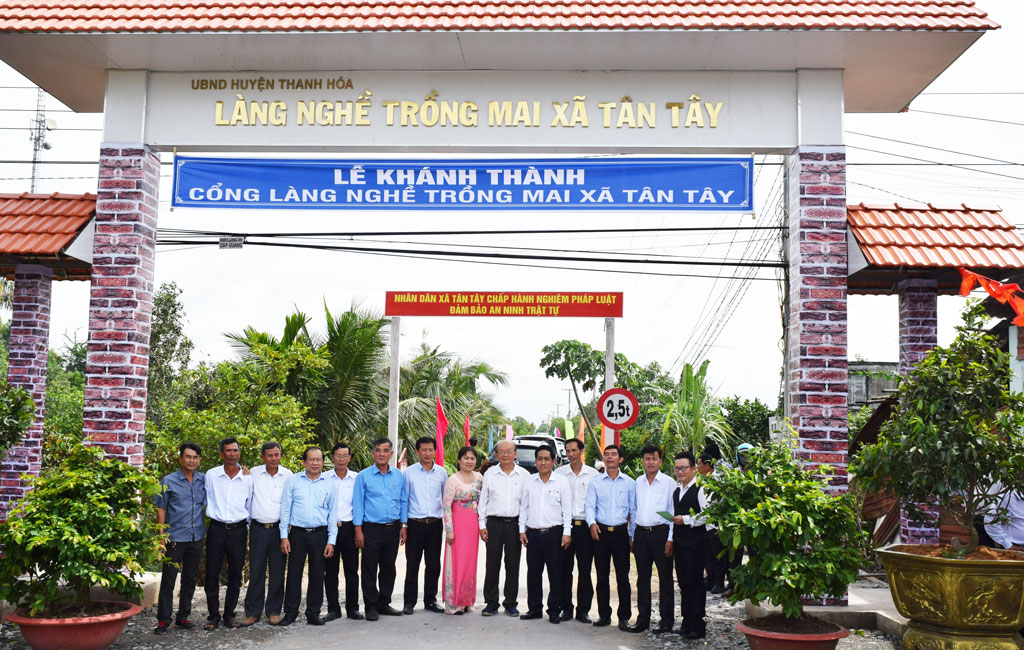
[{"x": 568, "y": 519}]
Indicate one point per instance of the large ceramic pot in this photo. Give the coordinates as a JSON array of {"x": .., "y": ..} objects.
[
  {"x": 764, "y": 640},
  {"x": 85, "y": 633},
  {"x": 957, "y": 604}
]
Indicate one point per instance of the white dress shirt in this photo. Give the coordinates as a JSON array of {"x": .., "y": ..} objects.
[
  {"x": 546, "y": 504},
  {"x": 702, "y": 499},
  {"x": 343, "y": 498},
  {"x": 501, "y": 493},
  {"x": 579, "y": 483},
  {"x": 266, "y": 493},
  {"x": 227, "y": 499},
  {"x": 1012, "y": 532},
  {"x": 652, "y": 497}
]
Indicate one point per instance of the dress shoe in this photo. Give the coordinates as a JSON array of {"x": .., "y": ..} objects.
[
  {"x": 408, "y": 610},
  {"x": 693, "y": 635},
  {"x": 727, "y": 593},
  {"x": 249, "y": 620},
  {"x": 639, "y": 627},
  {"x": 355, "y": 616},
  {"x": 602, "y": 622},
  {"x": 512, "y": 611},
  {"x": 275, "y": 619},
  {"x": 332, "y": 614},
  {"x": 388, "y": 610},
  {"x": 555, "y": 618},
  {"x": 583, "y": 618},
  {"x": 434, "y": 607},
  {"x": 565, "y": 616},
  {"x": 529, "y": 616},
  {"x": 371, "y": 614},
  {"x": 288, "y": 620},
  {"x": 490, "y": 610},
  {"x": 663, "y": 627},
  {"x": 717, "y": 589},
  {"x": 315, "y": 620},
  {"x": 231, "y": 623},
  {"x": 624, "y": 626}
]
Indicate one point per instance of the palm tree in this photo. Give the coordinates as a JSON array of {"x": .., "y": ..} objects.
[{"x": 691, "y": 414}]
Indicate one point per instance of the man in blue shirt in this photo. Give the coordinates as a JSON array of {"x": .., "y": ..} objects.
[
  {"x": 306, "y": 508},
  {"x": 611, "y": 504},
  {"x": 424, "y": 482},
  {"x": 180, "y": 508},
  {"x": 380, "y": 510}
]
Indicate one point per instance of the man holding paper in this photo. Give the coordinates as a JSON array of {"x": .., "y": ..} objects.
[{"x": 652, "y": 542}]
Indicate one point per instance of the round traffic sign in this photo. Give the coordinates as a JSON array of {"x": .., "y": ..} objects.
[{"x": 618, "y": 408}]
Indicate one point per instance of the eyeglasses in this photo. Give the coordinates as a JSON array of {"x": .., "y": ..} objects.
[{"x": 684, "y": 468}]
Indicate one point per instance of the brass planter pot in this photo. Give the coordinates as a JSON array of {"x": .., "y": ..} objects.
[{"x": 957, "y": 604}]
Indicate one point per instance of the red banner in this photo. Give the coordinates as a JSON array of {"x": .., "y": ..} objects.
[{"x": 557, "y": 304}]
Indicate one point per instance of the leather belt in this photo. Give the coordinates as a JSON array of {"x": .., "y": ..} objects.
[
  {"x": 310, "y": 530},
  {"x": 543, "y": 531},
  {"x": 505, "y": 520},
  {"x": 226, "y": 526},
  {"x": 610, "y": 529},
  {"x": 387, "y": 525},
  {"x": 263, "y": 525},
  {"x": 342, "y": 524},
  {"x": 652, "y": 529},
  {"x": 579, "y": 522},
  {"x": 425, "y": 520}
]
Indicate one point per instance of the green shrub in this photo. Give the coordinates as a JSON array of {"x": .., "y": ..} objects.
[
  {"x": 17, "y": 413},
  {"x": 90, "y": 523}
]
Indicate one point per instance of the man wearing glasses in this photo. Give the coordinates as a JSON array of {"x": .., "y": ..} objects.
[{"x": 691, "y": 545}]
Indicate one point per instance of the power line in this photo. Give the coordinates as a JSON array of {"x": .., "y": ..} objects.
[
  {"x": 925, "y": 146},
  {"x": 964, "y": 166},
  {"x": 977, "y": 93},
  {"x": 966, "y": 117},
  {"x": 406, "y": 233}
]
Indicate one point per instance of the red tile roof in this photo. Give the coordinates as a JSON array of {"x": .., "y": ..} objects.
[
  {"x": 77, "y": 16},
  {"x": 36, "y": 228},
  {"x": 927, "y": 236}
]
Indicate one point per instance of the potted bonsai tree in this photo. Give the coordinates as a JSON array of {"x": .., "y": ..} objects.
[
  {"x": 956, "y": 442},
  {"x": 807, "y": 544},
  {"x": 87, "y": 523}
]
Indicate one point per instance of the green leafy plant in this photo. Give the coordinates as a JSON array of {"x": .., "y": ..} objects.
[
  {"x": 806, "y": 542},
  {"x": 91, "y": 523},
  {"x": 956, "y": 438},
  {"x": 17, "y": 413}
]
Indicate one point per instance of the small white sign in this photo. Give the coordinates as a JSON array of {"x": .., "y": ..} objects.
[{"x": 230, "y": 242}]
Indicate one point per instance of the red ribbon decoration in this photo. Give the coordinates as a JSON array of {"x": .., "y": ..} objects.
[{"x": 1004, "y": 293}]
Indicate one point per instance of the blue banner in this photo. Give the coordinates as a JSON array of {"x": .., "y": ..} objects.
[{"x": 631, "y": 184}]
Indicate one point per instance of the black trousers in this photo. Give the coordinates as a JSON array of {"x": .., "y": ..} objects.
[
  {"x": 544, "y": 551},
  {"x": 580, "y": 553},
  {"x": 423, "y": 541},
  {"x": 502, "y": 540},
  {"x": 187, "y": 555},
  {"x": 649, "y": 549},
  {"x": 380, "y": 550},
  {"x": 690, "y": 550},
  {"x": 223, "y": 543},
  {"x": 612, "y": 547},
  {"x": 345, "y": 555},
  {"x": 265, "y": 553},
  {"x": 715, "y": 567},
  {"x": 306, "y": 544}
]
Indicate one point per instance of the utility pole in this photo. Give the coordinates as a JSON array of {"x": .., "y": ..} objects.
[{"x": 37, "y": 134}]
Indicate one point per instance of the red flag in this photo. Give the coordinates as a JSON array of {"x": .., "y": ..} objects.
[
  {"x": 1004, "y": 293},
  {"x": 465, "y": 428},
  {"x": 442, "y": 428},
  {"x": 968, "y": 282}
]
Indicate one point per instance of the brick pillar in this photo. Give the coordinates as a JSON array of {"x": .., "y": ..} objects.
[
  {"x": 816, "y": 355},
  {"x": 918, "y": 334},
  {"x": 26, "y": 368},
  {"x": 121, "y": 300}
]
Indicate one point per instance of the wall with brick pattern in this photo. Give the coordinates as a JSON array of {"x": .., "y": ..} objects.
[
  {"x": 121, "y": 300},
  {"x": 26, "y": 368},
  {"x": 817, "y": 363}
]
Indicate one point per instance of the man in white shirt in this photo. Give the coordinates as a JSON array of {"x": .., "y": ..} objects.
[
  {"x": 228, "y": 494},
  {"x": 581, "y": 548},
  {"x": 691, "y": 541},
  {"x": 545, "y": 522},
  {"x": 346, "y": 554},
  {"x": 652, "y": 543},
  {"x": 1010, "y": 534},
  {"x": 500, "y": 499},
  {"x": 265, "y": 537},
  {"x": 425, "y": 483}
]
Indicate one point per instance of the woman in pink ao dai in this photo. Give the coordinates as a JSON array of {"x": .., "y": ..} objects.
[{"x": 461, "y": 525}]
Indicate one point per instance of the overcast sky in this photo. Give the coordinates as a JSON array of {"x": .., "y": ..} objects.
[{"x": 665, "y": 317}]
